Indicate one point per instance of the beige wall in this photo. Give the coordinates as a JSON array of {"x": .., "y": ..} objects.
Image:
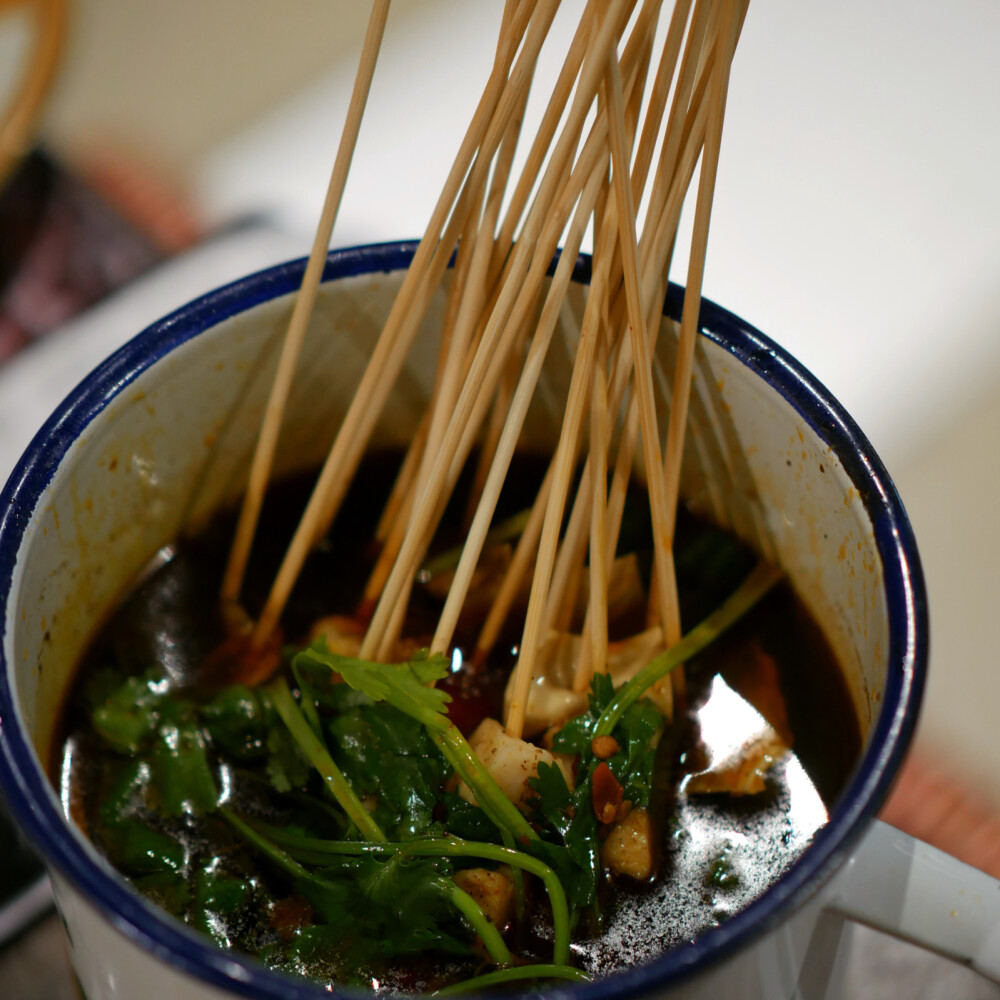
[
  {"x": 170, "y": 78},
  {"x": 951, "y": 490}
]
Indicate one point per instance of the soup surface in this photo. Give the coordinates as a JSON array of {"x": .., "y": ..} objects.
[{"x": 198, "y": 790}]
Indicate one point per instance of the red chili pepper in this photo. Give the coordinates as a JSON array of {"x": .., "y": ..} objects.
[{"x": 607, "y": 793}]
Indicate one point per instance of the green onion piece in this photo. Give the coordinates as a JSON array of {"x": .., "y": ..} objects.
[
  {"x": 761, "y": 579},
  {"x": 321, "y": 760},
  {"x": 513, "y": 975},
  {"x": 473, "y": 912}
]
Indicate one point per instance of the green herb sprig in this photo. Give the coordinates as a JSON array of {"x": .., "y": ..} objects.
[{"x": 406, "y": 686}]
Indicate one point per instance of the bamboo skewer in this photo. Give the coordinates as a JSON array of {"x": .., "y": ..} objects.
[
  {"x": 572, "y": 551},
  {"x": 352, "y": 437},
  {"x": 499, "y": 470},
  {"x": 390, "y": 350},
  {"x": 494, "y": 428},
  {"x": 401, "y": 496},
  {"x": 599, "y": 559},
  {"x": 473, "y": 284},
  {"x": 564, "y": 461},
  {"x": 512, "y": 428},
  {"x": 523, "y": 555},
  {"x": 569, "y": 569},
  {"x": 562, "y": 597},
  {"x": 708, "y": 62},
  {"x": 401, "y": 492},
  {"x": 587, "y": 664},
  {"x": 677, "y": 141},
  {"x": 503, "y": 331},
  {"x": 681, "y": 150},
  {"x": 725, "y": 36},
  {"x": 450, "y": 354},
  {"x": 642, "y": 366},
  {"x": 260, "y": 468},
  {"x": 425, "y": 525},
  {"x": 544, "y": 136},
  {"x": 728, "y": 24},
  {"x": 511, "y": 96},
  {"x": 527, "y": 268},
  {"x": 485, "y": 256},
  {"x": 493, "y": 349},
  {"x": 465, "y": 297}
]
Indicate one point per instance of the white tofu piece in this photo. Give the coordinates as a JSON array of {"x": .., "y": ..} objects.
[
  {"x": 492, "y": 890},
  {"x": 630, "y": 846},
  {"x": 511, "y": 762},
  {"x": 551, "y": 698}
]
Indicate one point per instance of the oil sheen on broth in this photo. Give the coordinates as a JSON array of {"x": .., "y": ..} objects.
[{"x": 716, "y": 851}]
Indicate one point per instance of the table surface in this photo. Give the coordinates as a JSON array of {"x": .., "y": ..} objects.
[{"x": 880, "y": 968}]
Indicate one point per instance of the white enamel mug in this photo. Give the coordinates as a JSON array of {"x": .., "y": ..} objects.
[{"x": 159, "y": 436}]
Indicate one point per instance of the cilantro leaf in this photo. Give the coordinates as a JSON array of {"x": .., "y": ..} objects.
[
  {"x": 570, "y": 832},
  {"x": 636, "y": 735},
  {"x": 129, "y": 714},
  {"x": 138, "y": 849},
  {"x": 462, "y": 819},
  {"x": 569, "y": 844},
  {"x": 382, "y": 908},
  {"x": 287, "y": 766},
  {"x": 385, "y": 753},
  {"x": 236, "y": 722},
  {"x": 576, "y": 735},
  {"x": 403, "y": 685},
  {"x": 126, "y": 793},
  {"x": 182, "y": 775},
  {"x": 634, "y": 765}
]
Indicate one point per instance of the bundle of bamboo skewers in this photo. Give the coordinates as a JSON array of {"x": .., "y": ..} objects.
[{"x": 615, "y": 134}]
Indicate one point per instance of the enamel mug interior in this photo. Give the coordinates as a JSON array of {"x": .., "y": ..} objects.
[{"x": 160, "y": 436}]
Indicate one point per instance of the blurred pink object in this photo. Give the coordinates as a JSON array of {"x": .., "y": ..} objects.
[{"x": 66, "y": 242}]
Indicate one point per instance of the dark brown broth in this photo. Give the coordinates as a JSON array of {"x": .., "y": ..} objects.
[{"x": 718, "y": 853}]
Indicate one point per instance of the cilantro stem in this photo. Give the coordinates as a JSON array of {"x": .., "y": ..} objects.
[
  {"x": 488, "y": 794},
  {"x": 516, "y": 873},
  {"x": 281, "y": 858},
  {"x": 320, "y": 759},
  {"x": 316, "y": 850},
  {"x": 453, "y": 847},
  {"x": 513, "y": 975},
  {"x": 473, "y": 912},
  {"x": 409, "y": 687},
  {"x": 308, "y": 705},
  {"x": 761, "y": 579}
]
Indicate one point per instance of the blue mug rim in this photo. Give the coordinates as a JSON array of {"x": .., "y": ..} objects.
[{"x": 29, "y": 796}]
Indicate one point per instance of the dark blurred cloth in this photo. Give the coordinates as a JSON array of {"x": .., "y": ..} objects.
[{"x": 63, "y": 246}]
